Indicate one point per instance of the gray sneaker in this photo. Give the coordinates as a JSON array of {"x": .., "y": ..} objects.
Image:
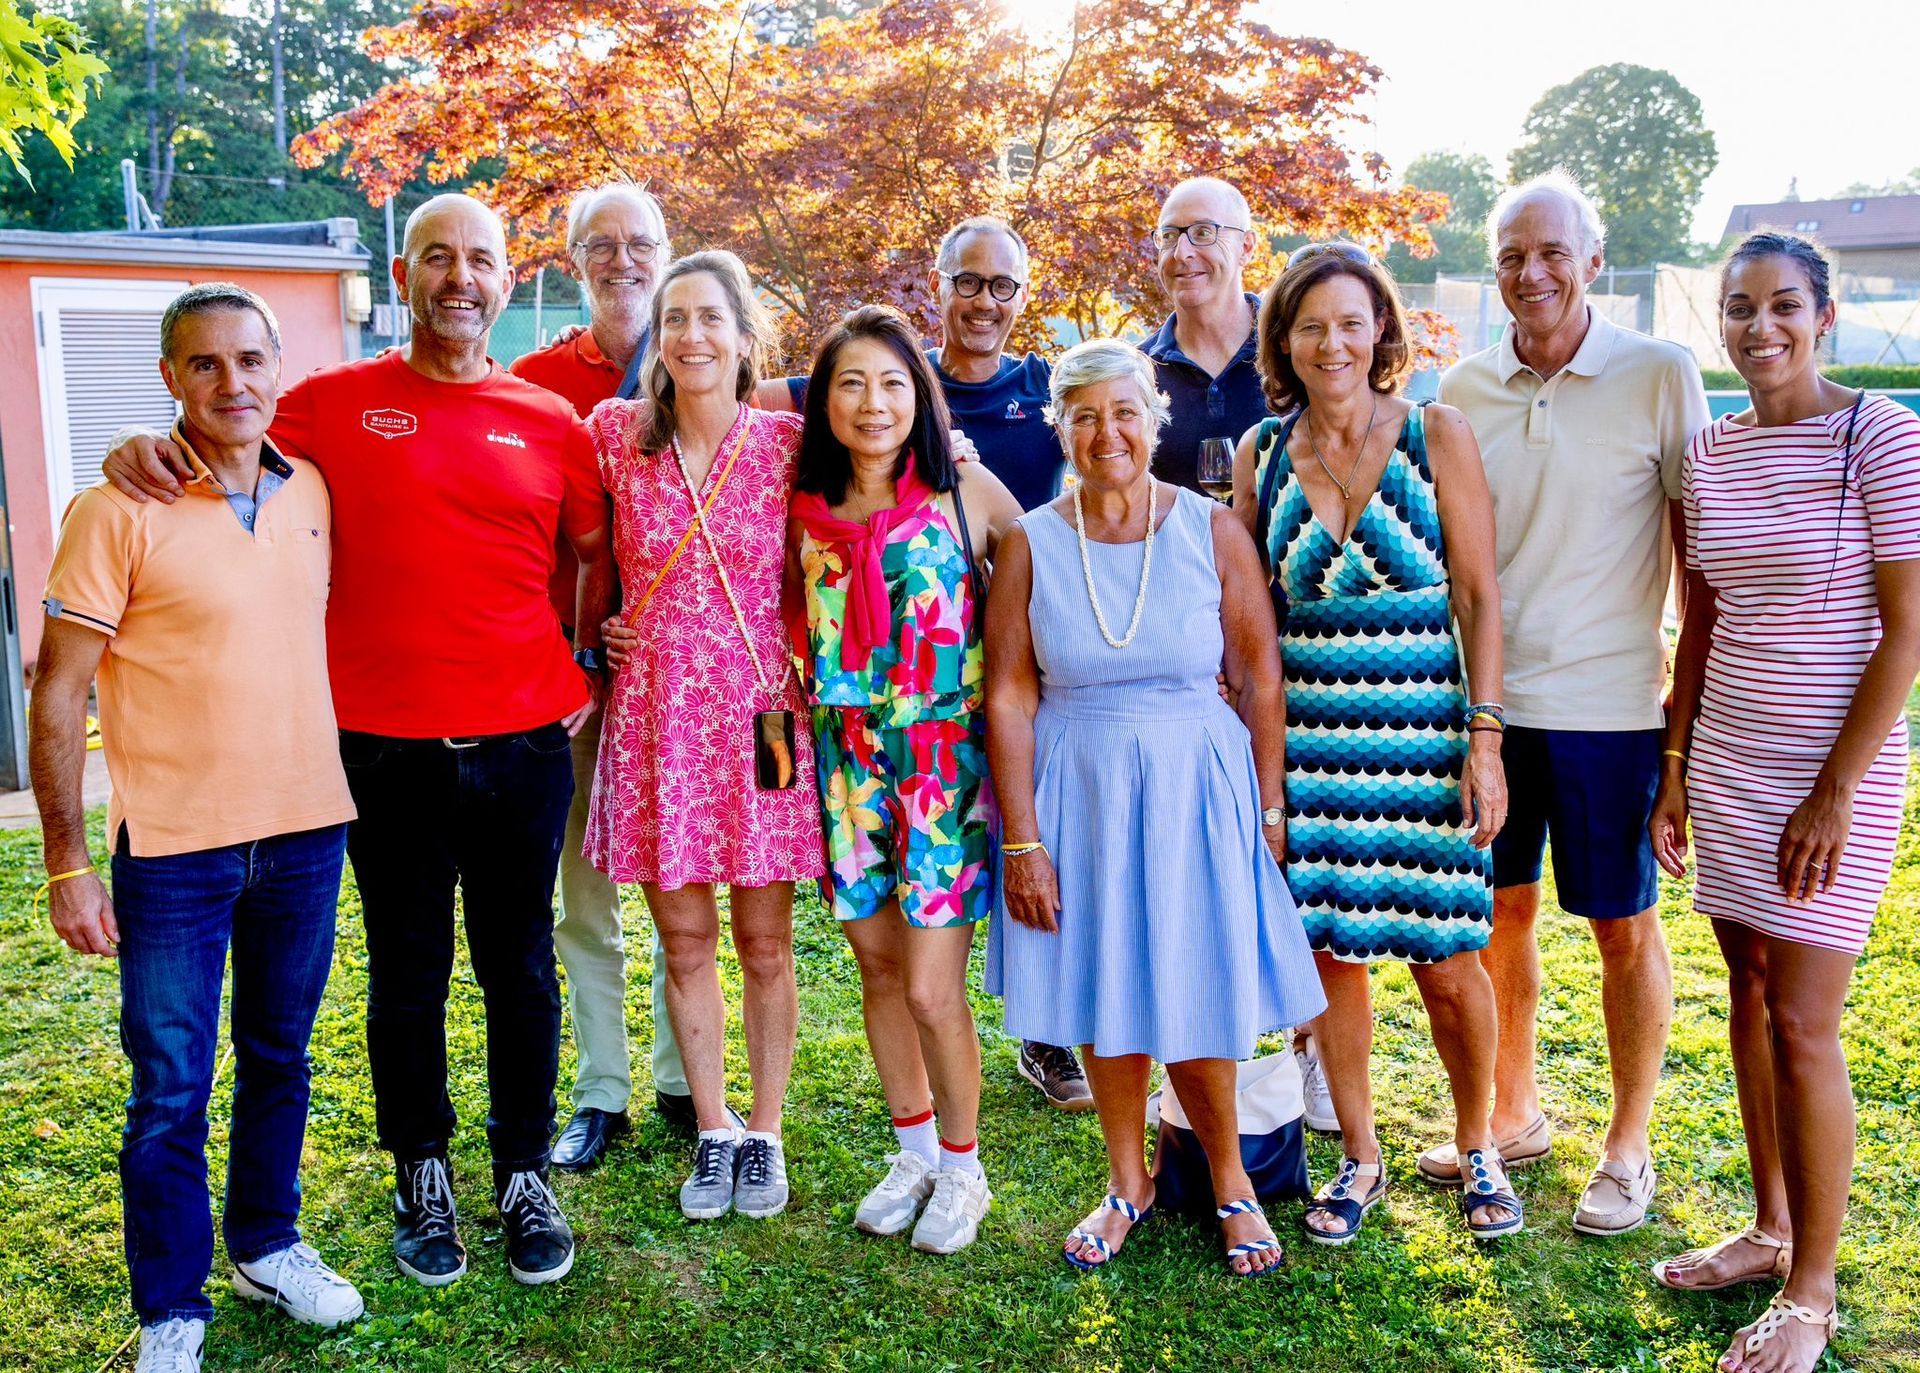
[
  {"x": 953, "y": 1213},
  {"x": 890, "y": 1208},
  {"x": 760, "y": 1178},
  {"x": 1315, "y": 1095},
  {"x": 1057, "y": 1073},
  {"x": 173, "y": 1346},
  {"x": 708, "y": 1193}
]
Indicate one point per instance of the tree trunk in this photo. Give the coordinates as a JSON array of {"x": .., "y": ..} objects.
[{"x": 279, "y": 83}]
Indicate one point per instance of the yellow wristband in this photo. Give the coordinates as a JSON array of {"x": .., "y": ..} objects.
[
  {"x": 1673, "y": 753},
  {"x": 1016, "y": 850},
  {"x": 47, "y": 885}
]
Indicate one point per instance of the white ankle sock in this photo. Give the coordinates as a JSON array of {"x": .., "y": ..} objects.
[
  {"x": 770, "y": 1136},
  {"x": 728, "y": 1133},
  {"x": 965, "y": 1160},
  {"x": 921, "y": 1136}
]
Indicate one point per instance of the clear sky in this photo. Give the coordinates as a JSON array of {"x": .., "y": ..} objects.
[{"x": 1825, "y": 92}]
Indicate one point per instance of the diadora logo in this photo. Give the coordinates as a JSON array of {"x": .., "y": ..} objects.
[
  {"x": 1014, "y": 412},
  {"x": 389, "y": 424},
  {"x": 511, "y": 440}
]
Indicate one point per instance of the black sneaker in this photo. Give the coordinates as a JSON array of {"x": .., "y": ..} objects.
[
  {"x": 1057, "y": 1073},
  {"x": 426, "y": 1244},
  {"x": 539, "y": 1242}
]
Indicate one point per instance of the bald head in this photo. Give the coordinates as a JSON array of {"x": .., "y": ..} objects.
[
  {"x": 1220, "y": 200},
  {"x": 445, "y": 218},
  {"x": 1205, "y": 278},
  {"x": 453, "y": 268}
]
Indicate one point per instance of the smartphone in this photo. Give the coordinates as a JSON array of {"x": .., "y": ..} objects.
[{"x": 773, "y": 750}]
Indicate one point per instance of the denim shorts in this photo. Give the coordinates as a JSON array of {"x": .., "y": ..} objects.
[{"x": 1591, "y": 792}]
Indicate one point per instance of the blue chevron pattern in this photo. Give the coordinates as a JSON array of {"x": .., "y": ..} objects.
[{"x": 1376, "y": 857}]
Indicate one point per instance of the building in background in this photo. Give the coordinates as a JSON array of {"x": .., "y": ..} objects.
[
  {"x": 1874, "y": 235},
  {"x": 80, "y": 344}
]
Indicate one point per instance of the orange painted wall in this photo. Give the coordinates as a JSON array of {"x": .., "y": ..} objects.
[{"x": 312, "y": 335}]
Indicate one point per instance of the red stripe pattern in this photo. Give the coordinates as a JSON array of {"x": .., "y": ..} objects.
[{"x": 1787, "y": 531}]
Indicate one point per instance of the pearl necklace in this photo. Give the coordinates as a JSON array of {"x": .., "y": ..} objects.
[{"x": 1146, "y": 567}]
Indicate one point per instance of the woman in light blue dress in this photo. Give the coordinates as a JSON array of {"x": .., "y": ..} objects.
[{"x": 1142, "y": 912}]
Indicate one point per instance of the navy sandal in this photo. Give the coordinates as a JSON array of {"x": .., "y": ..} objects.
[
  {"x": 1337, "y": 1199},
  {"x": 1484, "y": 1183},
  {"x": 1263, "y": 1245},
  {"x": 1113, "y": 1202}
]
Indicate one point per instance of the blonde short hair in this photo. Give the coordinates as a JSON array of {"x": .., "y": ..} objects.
[{"x": 1105, "y": 359}]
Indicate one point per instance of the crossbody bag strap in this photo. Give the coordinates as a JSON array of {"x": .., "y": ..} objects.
[
  {"x": 1273, "y": 435},
  {"x": 973, "y": 568},
  {"x": 699, "y": 508},
  {"x": 719, "y": 567}
]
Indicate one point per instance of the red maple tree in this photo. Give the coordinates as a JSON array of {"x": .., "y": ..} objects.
[{"x": 833, "y": 166}]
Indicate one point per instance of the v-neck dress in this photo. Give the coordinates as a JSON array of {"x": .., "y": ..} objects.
[{"x": 1377, "y": 857}]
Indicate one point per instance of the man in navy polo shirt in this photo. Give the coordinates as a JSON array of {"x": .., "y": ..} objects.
[{"x": 1204, "y": 352}]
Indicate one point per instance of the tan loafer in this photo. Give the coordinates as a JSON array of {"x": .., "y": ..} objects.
[
  {"x": 1440, "y": 1165},
  {"x": 1616, "y": 1199}
]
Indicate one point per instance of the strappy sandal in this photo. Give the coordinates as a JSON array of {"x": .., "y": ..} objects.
[
  {"x": 1485, "y": 1184},
  {"x": 1336, "y": 1199},
  {"x": 1135, "y": 1215},
  {"x": 1665, "y": 1269},
  {"x": 1774, "y": 1319},
  {"x": 1265, "y": 1244}
]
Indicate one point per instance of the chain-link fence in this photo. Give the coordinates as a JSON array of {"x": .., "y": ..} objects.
[{"x": 1878, "y": 317}]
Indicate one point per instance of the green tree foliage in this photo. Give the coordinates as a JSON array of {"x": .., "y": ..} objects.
[
  {"x": 1635, "y": 138},
  {"x": 196, "y": 112},
  {"x": 45, "y": 70},
  {"x": 1901, "y": 185},
  {"x": 1460, "y": 241}
]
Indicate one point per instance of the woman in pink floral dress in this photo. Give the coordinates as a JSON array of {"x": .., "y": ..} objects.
[{"x": 677, "y": 804}]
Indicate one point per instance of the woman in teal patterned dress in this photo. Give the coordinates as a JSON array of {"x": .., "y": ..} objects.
[{"x": 1375, "y": 521}]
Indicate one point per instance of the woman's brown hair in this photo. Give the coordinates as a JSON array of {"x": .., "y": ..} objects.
[
  {"x": 750, "y": 317},
  {"x": 1306, "y": 269}
]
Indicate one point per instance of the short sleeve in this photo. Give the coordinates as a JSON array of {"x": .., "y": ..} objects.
[
  {"x": 94, "y": 563},
  {"x": 294, "y": 420},
  {"x": 797, "y": 393},
  {"x": 583, "y": 500},
  {"x": 1888, "y": 448},
  {"x": 1683, "y": 415},
  {"x": 1690, "y": 501}
]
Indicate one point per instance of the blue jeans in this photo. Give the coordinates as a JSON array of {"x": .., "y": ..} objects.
[
  {"x": 485, "y": 817},
  {"x": 273, "y": 901}
]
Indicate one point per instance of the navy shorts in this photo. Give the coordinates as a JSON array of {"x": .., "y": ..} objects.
[{"x": 1592, "y": 791}]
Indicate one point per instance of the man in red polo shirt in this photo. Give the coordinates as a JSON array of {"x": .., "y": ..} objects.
[
  {"x": 456, "y": 697},
  {"x": 617, "y": 242}
]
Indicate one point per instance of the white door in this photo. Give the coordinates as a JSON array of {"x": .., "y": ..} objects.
[{"x": 98, "y": 343}]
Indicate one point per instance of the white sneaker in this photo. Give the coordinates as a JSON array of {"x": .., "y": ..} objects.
[
  {"x": 173, "y": 1346},
  {"x": 953, "y": 1213},
  {"x": 890, "y": 1208},
  {"x": 298, "y": 1282},
  {"x": 1319, "y": 1100}
]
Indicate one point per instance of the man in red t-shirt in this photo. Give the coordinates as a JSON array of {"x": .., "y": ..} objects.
[
  {"x": 456, "y": 697},
  {"x": 617, "y": 242}
]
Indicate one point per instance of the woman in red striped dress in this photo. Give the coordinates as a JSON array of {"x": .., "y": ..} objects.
[{"x": 1788, "y": 753}]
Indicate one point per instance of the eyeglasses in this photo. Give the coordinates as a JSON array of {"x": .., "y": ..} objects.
[
  {"x": 603, "y": 250},
  {"x": 1352, "y": 252},
  {"x": 1202, "y": 235},
  {"x": 967, "y": 285}
]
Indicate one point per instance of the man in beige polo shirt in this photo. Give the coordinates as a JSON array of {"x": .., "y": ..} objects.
[
  {"x": 206, "y": 622},
  {"x": 1582, "y": 426}
]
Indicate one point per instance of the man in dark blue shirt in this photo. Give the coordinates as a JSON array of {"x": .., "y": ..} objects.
[
  {"x": 979, "y": 280},
  {"x": 1204, "y": 352}
]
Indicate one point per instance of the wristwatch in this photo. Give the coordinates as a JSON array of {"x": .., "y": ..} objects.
[
  {"x": 591, "y": 660},
  {"x": 1272, "y": 816}
]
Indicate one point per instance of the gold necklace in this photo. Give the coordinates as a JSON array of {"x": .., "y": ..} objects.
[{"x": 1346, "y": 487}]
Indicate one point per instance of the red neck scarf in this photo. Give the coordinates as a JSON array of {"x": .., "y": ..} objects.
[{"x": 869, "y": 615}]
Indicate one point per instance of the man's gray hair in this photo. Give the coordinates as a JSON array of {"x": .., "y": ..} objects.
[
  {"x": 948, "y": 256},
  {"x": 1105, "y": 359},
  {"x": 207, "y": 298},
  {"x": 1558, "y": 183},
  {"x": 590, "y": 200}
]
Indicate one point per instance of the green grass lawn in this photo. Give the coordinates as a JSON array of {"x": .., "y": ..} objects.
[{"x": 805, "y": 1291}]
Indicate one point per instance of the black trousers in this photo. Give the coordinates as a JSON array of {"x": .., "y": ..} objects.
[{"x": 487, "y": 817}]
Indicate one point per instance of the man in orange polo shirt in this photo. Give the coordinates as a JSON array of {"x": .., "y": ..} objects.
[
  {"x": 227, "y": 824},
  {"x": 457, "y": 697},
  {"x": 617, "y": 242}
]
